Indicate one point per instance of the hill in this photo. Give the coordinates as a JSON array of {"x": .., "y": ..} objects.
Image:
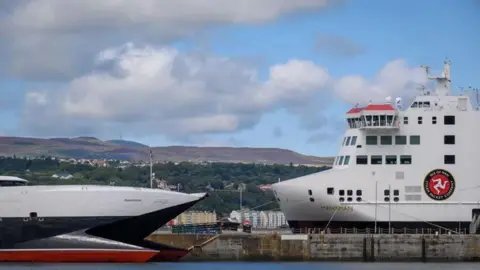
[{"x": 93, "y": 148}]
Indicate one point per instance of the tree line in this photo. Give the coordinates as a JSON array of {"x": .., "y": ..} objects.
[{"x": 221, "y": 180}]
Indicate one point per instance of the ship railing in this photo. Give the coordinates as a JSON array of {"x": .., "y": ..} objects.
[
  {"x": 215, "y": 229},
  {"x": 384, "y": 124},
  {"x": 423, "y": 231}
]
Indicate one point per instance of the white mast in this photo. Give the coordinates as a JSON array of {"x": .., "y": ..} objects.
[{"x": 443, "y": 81}]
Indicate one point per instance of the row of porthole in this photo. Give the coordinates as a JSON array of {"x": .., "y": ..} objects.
[
  {"x": 27, "y": 219},
  {"x": 359, "y": 199},
  {"x": 349, "y": 199}
]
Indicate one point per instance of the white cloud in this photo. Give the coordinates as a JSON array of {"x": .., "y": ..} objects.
[
  {"x": 161, "y": 91},
  {"x": 61, "y": 34},
  {"x": 394, "y": 79}
]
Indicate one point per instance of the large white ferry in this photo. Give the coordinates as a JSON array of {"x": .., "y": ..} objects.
[
  {"x": 75, "y": 223},
  {"x": 397, "y": 168}
]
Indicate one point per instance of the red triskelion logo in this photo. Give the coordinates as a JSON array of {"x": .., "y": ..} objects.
[{"x": 439, "y": 184}]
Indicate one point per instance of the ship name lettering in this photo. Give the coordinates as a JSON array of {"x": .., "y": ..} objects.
[{"x": 342, "y": 208}]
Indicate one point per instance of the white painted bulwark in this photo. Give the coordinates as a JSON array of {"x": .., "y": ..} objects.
[{"x": 19, "y": 200}]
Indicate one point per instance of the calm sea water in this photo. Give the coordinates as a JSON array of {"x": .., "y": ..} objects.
[{"x": 251, "y": 266}]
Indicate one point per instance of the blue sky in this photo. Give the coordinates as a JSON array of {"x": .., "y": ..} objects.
[{"x": 364, "y": 39}]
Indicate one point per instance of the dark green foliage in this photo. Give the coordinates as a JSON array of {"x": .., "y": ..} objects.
[{"x": 192, "y": 177}]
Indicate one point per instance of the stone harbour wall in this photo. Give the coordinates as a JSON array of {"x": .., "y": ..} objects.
[{"x": 331, "y": 247}]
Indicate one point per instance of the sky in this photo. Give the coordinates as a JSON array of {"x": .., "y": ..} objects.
[{"x": 263, "y": 73}]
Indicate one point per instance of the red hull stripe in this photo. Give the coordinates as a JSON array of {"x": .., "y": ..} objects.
[
  {"x": 169, "y": 255},
  {"x": 85, "y": 255}
]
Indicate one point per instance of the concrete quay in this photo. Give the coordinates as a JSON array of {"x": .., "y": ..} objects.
[{"x": 328, "y": 247}]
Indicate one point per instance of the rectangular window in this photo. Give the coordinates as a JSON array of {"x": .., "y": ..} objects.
[
  {"x": 434, "y": 120},
  {"x": 400, "y": 140},
  {"x": 449, "y": 139},
  {"x": 386, "y": 192},
  {"x": 405, "y": 120},
  {"x": 391, "y": 159},
  {"x": 347, "y": 142},
  {"x": 371, "y": 140},
  {"x": 330, "y": 190},
  {"x": 359, "y": 192},
  {"x": 310, "y": 192},
  {"x": 349, "y": 192},
  {"x": 386, "y": 140},
  {"x": 414, "y": 139},
  {"x": 405, "y": 159},
  {"x": 344, "y": 139},
  {"x": 420, "y": 120},
  {"x": 449, "y": 119},
  {"x": 347, "y": 160},
  {"x": 341, "y": 160},
  {"x": 354, "y": 140},
  {"x": 341, "y": 192},
  {"x": 449, "y": 159},
  {"x": 396, "y": 192},
  {"x": 362, "y": 160},
  {"x": 375, "y": 160}
]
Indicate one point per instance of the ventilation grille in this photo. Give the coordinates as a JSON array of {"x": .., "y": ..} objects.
[
  {"x": 413, "y": 189},
  {"x": 413, "y": 197}
]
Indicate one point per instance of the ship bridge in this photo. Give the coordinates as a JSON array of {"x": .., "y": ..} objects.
[{"x": 373, "y": 116}]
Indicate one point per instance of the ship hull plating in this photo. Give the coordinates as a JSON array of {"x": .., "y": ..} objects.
[{"x": 106, "y": 239}]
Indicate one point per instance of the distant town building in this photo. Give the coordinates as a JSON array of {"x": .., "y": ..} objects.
[
  {"x": 261, "y": 219},
  {"x": 194, "y": 217}
]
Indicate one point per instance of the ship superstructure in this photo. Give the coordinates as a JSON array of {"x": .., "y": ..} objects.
[{"x": 413, "y": 167}]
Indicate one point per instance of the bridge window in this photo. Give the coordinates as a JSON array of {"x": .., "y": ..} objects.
[
  {"x": 341, "y": 160},
  {"x": 449, "y": 119},
  {"x": 347, "y": 142},
  {"x": 330, "y": 191},
  {"x": 354, "y": 140},
  {"x": 420, "y": 120},
  {"x": 405, "y": 120},
  {"x": 434, "y": 120},
  {"x": 391, "y": 159},
  {"x": 449, "y": 139},
  {"x": 414, "y": 139},
  {"x": 386, "y": 140},
  {"x": 400, "y": 140},
  {"x": 449, "y": 159},
  {"x": 347, "y": 160},
  {"x": 371, "y": 140},
  {"x": 362, "y": 160},
  {"x": 375, "y": 160},
  {"x": 405, "y": 159}
]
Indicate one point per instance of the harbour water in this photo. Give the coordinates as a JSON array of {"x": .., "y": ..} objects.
[{"x": 250, "y": 266}]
